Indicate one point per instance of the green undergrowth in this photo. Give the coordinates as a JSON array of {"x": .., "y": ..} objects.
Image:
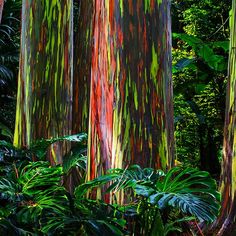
[{"x": 35, "y": 198}]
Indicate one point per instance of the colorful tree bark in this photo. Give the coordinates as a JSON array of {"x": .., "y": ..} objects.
[
  {"x": 227, "y": 219},
  {"x": 44, "y": 100},
  {"x": 82, "y": 67},
  {"x": 131, "y": 112},
  {"x": 1, "y": 9}
]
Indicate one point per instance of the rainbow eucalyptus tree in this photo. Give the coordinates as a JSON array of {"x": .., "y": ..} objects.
[
  {"x": 82, "y": 67},
  {"x": 44, "y": 99},
  {"x": 131, "y": 112},
  {"x": 227, "y": 219},
  {"x": 1, "y": 9}
]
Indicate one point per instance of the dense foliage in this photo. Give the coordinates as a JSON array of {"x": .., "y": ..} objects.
[
  {"x": 200, "y": 54},
  {"x": 34, "y": 199},
  {"x": 9, "y": 63}
]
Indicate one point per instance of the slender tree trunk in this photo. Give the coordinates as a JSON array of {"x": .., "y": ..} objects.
[
  {"x": 1, "y": 9},
  {"x": 227, "y": 220},
  {"x": 44, "y": 98},
  {"x": 131, "y": 111},
  {"x": 83, "y": 12},
  {"x": 82, "y": 67}
]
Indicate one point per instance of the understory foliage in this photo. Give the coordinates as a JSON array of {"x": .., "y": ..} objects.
[
  {"x": 200, "y": 58},
  {"x": 35, "y": 201},
  {"x": 9, "y": 63}
]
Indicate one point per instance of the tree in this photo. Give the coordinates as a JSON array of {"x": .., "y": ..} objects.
[
  {"x": 131, "y": 113},
  {"x": 82, "y": 67},
  {"x": 44, "y": 100},
  {"x": 226, "y": 221},
  {"x": 1, "y": 9}
]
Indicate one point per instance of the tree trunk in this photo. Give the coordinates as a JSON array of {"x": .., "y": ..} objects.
[
  {"x": 1, "y": 9},
  {"x": 131, "y": 111},
  {"x": 44, "y": 98},
  {"x": 227, "y": 220},
  {"x": 82, "y": 67}
]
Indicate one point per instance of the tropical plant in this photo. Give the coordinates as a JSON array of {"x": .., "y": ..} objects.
[
  {"x": 9, "y": 60},
  {"x": 188, "y": 191},
  {"x": 204, "y": 51},
  {"x": 33, "y": 200},
  {"x": 40, "y": 147},
  {"x": 9, "y": 28}
]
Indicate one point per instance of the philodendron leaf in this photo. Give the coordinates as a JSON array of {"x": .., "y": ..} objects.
[
  {"x": 39, "y": 148},
  {"x": 143, "y": 190}
]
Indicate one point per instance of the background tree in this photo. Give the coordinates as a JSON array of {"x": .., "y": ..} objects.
[
  {"x": 1, "y": 9},
  {"x": 82, "y": 64},
  {"x": 131, "y": 113},
  {"x": 44, "y": 99},
  {"x": 226, "y": 221}
]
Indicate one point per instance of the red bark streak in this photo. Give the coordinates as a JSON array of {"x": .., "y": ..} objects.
[
  {"x": 120, "y": 37},
  {"x": 103, "y": 95},
  {"x": 225, "y": 202},
  {"x": 131, "y": 9},
  {"x": 111, "y": 16},
  {"x": 131, "y": 29},
  {"x": 145, "y": 36},
  {"x": 152, "y": 4}
]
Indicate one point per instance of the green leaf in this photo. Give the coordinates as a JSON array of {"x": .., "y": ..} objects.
[
  {"x": 76, "y": 159},
  {"x": 204, "y": 51},
  {"x": 143, "y": 190},
  {"x": 221, "y": 44},
  {"x": 189, "y": 39},
  {"x": 200, "y": 87},
  {"x": 40, "y": 147},
  {"x": 5, "y": 131}
]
